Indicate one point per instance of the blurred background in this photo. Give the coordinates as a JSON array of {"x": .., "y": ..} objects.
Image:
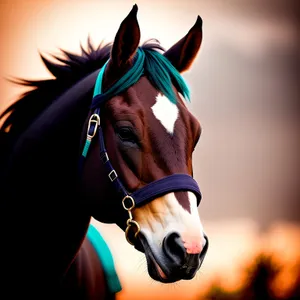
[{"x": 245, "y": 92}]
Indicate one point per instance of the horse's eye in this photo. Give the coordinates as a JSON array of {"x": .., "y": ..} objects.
[{"x": 126, "y": 134}]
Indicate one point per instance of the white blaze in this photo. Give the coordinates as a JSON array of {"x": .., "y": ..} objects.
[{"x": 166, "y": 112}]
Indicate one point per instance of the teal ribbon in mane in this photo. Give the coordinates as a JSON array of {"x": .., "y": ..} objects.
[
  {"x": 106, "y": 259},
  {"x": 129, "y": 78},
  {"x": 158, "y": 69}
]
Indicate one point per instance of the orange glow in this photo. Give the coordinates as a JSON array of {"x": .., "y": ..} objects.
[
  {"x": 233, "y": 246},
  {"x": 245, "y": 161}
]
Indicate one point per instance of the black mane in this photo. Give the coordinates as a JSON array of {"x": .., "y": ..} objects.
[{"x": 68, "y": 69}]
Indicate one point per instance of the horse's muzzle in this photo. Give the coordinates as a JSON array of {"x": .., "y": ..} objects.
[{"x": 171, "y": 262}]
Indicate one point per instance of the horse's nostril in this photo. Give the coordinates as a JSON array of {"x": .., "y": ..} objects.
[{"x": 173, "y": 248}]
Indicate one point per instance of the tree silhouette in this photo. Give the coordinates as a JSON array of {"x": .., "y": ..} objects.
[
  {"x": 260, "y": 278},
  {"x": 258, "y": 284}
]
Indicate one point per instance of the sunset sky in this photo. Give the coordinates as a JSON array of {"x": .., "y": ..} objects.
[{"x": 244, "y": 87}]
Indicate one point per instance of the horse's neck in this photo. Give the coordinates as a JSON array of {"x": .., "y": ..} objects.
[{"x": 45, "y": 215}]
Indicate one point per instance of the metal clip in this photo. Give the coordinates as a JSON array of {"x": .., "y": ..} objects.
[
  {"x": 130, "y": 222},
  {"x": 94, "y": 119}
]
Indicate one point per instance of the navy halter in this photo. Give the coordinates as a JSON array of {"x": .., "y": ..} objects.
[{"x": 155, "y": 189}]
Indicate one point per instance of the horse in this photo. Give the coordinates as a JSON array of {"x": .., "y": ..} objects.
[{"x": 109, "y": 137}]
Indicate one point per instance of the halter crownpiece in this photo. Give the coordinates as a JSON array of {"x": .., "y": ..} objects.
[{"x": 155, "y": 189}]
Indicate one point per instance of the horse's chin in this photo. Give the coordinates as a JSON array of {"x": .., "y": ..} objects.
[
  {"x": 159, "y": 268},
  {"x": 156, "y": 272}
]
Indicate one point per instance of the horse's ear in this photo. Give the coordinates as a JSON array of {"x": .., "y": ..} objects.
[
  {"x": 183, "y": 53},
  {"x": 127, "y": 40}
]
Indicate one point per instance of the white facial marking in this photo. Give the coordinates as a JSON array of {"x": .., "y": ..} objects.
[
  {"x": 166, "y": 112},
  {"x": 164, "y": 215}
]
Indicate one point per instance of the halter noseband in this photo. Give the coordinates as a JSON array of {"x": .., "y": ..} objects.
[{"x": 171, "y": 183}]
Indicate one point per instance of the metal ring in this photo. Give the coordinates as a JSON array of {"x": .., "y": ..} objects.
[
  {"x": 130, "y": 224},
  {"x": 132, "y": 202}
]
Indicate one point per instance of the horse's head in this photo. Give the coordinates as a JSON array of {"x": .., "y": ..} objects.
[{"x": 149, "y": 134}]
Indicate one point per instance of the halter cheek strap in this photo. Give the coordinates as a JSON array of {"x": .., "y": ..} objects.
[{"x": 155, "y": 189}]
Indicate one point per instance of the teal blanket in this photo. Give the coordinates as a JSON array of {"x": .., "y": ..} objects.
[{"x": 106, "y": 259}]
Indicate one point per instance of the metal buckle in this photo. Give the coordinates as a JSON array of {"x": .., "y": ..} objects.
[
  {"x": 112, "y": 175},
  {"x": 94, "y": 119}
]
